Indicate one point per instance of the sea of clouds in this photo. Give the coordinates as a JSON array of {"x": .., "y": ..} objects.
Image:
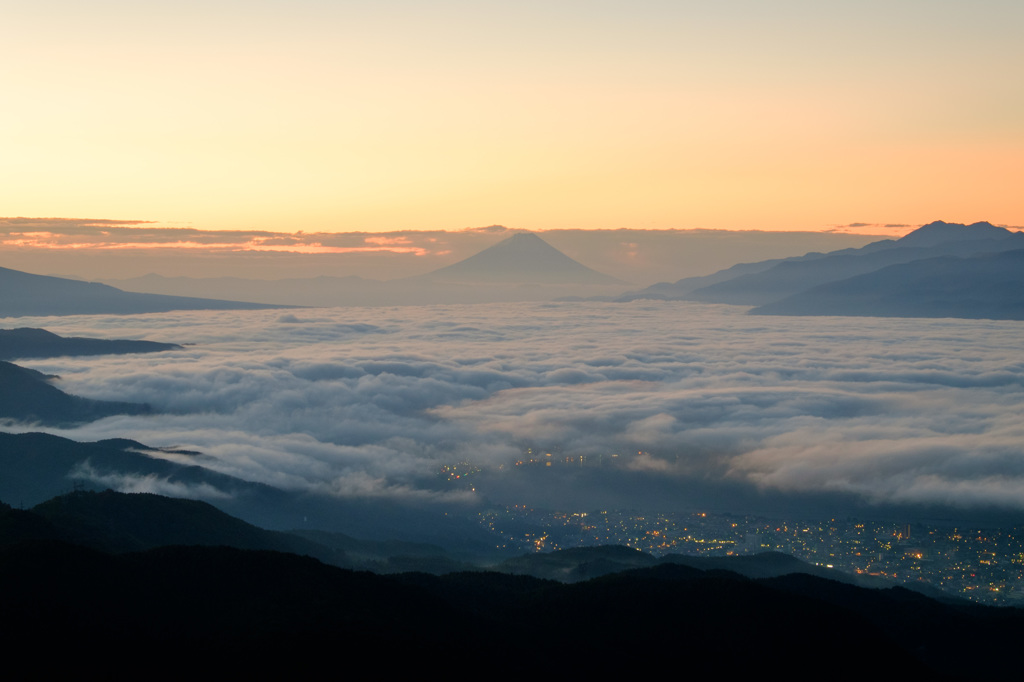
[{"x": 704, "y": 404}]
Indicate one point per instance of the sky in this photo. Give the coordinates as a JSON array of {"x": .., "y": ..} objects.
[
  {"x": 328, "y": 116},
  {"x": 708, "y": 408}
]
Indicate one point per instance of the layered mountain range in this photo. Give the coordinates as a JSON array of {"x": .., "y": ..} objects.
[{"x": 939, "y": 270}]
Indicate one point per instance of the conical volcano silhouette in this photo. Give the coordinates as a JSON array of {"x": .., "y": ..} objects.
[{"x": 521, "y": 259}]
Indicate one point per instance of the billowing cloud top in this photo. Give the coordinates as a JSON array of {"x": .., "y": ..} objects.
[{"x": 651, "y": 403}]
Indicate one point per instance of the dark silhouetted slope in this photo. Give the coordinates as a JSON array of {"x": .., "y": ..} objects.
[
  {"x": 577, "y": 563},
  {"x": 791, "y": 276},
  {"x": 27, "y": 396},
  {"x": 26, "y": 342},
  {"x": 674, "y": 291},
  {"x": 19, "y": 526},
  {"x": 122, "y": 522},
  {"x": 387, "y": 556},
  {"x": 38, "y": 466},
  {"x": 761, "y": 565}
]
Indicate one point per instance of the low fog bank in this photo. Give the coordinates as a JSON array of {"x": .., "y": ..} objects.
[{"x": 656, "y": 405}]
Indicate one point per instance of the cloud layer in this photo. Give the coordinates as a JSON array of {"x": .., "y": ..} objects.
[{"x": 650, "y": 403}]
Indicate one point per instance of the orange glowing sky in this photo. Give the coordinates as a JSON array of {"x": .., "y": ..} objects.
[{"x": 329, "y": 116}]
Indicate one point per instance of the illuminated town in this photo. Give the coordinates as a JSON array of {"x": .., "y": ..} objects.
[{"x": 982, "y": 565}]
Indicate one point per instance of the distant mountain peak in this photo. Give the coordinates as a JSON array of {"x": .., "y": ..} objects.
[
  {"x": 940, "y": 231},
  {"x": 523, "y": 258}
]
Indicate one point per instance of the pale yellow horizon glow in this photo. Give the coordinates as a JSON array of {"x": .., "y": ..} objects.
[{"x": 377, "y": 117}]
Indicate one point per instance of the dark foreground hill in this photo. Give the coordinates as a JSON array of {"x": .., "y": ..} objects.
[
  {"x": 25, "y": 294},
  {"x": 180, "y": 608},
  {"x": 27, "y": 342},
  {"x": 177, "y": 609},
  {"x": 119, "y": 522}
]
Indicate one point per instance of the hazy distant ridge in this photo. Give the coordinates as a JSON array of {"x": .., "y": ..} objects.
[
  {"x": 24, "y": 294},
  {"x": 939, "y": 270},
  {"x": 989, "y": 286}
]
